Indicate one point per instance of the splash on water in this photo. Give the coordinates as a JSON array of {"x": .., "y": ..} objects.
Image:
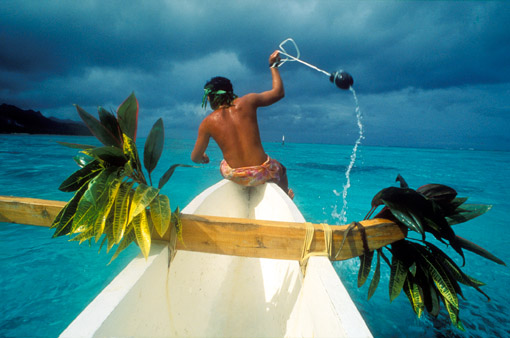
[{"x": 342, "y": 216}]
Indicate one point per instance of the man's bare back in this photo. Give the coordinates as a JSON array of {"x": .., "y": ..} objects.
[
  {"x": 235, "y": 128},
  {"x": 233, "y": 125}
]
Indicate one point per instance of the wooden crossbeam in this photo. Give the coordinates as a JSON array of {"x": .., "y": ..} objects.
[{"x": 232, "y": 236}]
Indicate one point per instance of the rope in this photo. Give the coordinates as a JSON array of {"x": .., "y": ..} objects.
[
  {"x": 296, "y": 58},
  {"x": 328, "y": 243},
  {"x": 363, "y": 236}
]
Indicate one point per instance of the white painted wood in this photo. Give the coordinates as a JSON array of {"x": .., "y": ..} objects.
[{"x": 210, "y": 295}]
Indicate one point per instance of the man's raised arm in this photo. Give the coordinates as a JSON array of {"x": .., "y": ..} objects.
[
  {"x": 198, "y": 154},
  {"x": 277, "y": 92}
]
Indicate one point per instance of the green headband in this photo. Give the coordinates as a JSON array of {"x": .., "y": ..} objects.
[{"x": 209, "y": 91}]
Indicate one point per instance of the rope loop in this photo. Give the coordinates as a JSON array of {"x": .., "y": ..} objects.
[
  {"x": 309, "y": 233},
  {"x": 296, "y": 58}
]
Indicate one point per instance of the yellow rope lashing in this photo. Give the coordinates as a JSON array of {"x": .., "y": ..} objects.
[{"x": 328, "y": 242}]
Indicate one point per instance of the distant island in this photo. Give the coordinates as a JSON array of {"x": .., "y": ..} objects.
[{"x": 15, "y": 120}]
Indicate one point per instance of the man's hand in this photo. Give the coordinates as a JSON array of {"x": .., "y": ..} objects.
[
  {"x": 274, "y": 59},
  {"x": 205, "y": 158}
]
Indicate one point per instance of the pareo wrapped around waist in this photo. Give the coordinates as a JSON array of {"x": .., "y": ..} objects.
[{"x": 269, "y": 171}]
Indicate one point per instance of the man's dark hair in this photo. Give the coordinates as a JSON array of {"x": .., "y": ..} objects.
[{"x": 220, "y": 92}]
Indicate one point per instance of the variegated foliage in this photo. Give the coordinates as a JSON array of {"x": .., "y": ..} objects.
[
  {"x": 112, "y": 198},
  {"x": 426, "y": 274}
]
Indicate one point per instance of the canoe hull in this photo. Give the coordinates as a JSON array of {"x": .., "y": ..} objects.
[{"x": 205, "y": 294}]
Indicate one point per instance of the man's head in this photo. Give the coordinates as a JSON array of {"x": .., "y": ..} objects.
[{"x": 219, "y": 91}]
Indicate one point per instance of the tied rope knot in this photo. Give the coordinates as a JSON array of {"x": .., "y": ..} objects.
[
  {"x": 328, "y": 242},
  {"x": 309, "y": 233}
]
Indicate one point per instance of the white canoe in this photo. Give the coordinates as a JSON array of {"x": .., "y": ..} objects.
[{"x": 212, "y": 295}]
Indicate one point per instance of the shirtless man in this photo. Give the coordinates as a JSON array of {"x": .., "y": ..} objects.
[{"x": 233, "y": 125}]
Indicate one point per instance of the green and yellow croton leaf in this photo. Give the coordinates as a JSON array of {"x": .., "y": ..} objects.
[
  {"x": 81, "y": 177},
  {"x": 161, "y": 213},
  {"x": 98, "y": 129},
  {"x": 364, "y": 269},
  {"x": 127, "y": 116},
  {"x": 154, "y": 147},
  {"x": 377, "y": 276},
  {"x": 121, "y": 211},
  {"x": 176, "y": 222},
  {"x": 427, "y": 275},
  {"x": 112, "y": 199},
  {"x": 414, "y": 294},
  {"x": 398, "y": 274},
  {"x": 142, "y": 232}
]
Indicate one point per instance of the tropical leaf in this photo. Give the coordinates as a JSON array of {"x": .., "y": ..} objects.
[
  {"x": 429, "y": 291},
  {"x": 409, "y": 219},
  {"x": 453, "y": 311},
  {"x": 454, "y": 270},
  {"x": 109, "y": 237},
  {"x": 398, "y": 274},
  {"x": 83, "y": 236},
  {"x": 154, "y": 146},
  {"x": 105, "y": 240},
  {"x": 64, "y": 220},
  {"x": 142, "y": 198},
  {"x": 113, "y": 188},
  {"x": 82, "y": 160},
  {"x": 467, "y": 212},
  {"x": 468, "y": 245},
  {"x": 127, "y": 115},
  {"x": 377, "y": 276},
  {"x": 403, "y": 183},
  {"x": 142, "y": 232},
  {"x": 177, "y": 223},
  {"x": 442, "y": 230},
  {"x": 441, "y": 278},
  {"x": 414, "y": 294},
  {"x": 75, "y": 145},
  {"x": 412, "y": 269},
  {"x": 438, "y": 192},
  {"x": 161, "y": 213},
  {"x": 110, "y": 122},
  {"x": 130, "y": 150},
  {"x": 109, "y": 154},
  {"x": 121, "y": 211},
  {"x": 452, "y": 267},
  {"x": 108, "y": 233},
  {"x": 166, "y": 176},
  {"x": 364, "y": 268},
  {"x": 458, "y": 201},
  {"x": 81, "y": 177},
  {"x": 124, "y": 243},
  {"x": 98, "y": 130},
  {"x": 93, "y": 201}
]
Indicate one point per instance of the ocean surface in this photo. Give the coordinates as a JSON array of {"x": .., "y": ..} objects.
[{"x": 45, "y": 282}]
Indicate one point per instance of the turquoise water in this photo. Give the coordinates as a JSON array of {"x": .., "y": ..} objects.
[{"x": 46, "y": 282}]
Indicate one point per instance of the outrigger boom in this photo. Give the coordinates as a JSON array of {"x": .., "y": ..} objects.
[{"x": 235, "y": 236}]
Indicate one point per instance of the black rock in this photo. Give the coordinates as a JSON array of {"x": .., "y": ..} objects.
[{"x": 16, "y": 120}]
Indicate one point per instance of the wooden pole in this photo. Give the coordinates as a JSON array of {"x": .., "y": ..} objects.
[{"x": 232, "y": 236}]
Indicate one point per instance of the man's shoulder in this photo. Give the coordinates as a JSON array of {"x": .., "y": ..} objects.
[
  {"x": 247, "y": 102},
  {"x": 212, "y": 119},
  {"x": 246, "y": 98}
]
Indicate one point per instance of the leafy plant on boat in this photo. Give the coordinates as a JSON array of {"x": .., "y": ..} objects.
[
  {"x": 427, "y": 275},
  {"x": 112, "y": 198}
]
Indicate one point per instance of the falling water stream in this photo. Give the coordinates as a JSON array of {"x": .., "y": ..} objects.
[{"x": 342, "y": 216}]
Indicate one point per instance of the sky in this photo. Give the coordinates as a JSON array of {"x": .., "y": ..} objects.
[{"x": 426, "y": 74}]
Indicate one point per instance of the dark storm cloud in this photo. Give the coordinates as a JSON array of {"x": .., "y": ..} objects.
[{"x": 416, "y": 65}]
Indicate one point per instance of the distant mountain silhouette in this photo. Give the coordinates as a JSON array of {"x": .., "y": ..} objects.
[{"x": 16, "y": 120}]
